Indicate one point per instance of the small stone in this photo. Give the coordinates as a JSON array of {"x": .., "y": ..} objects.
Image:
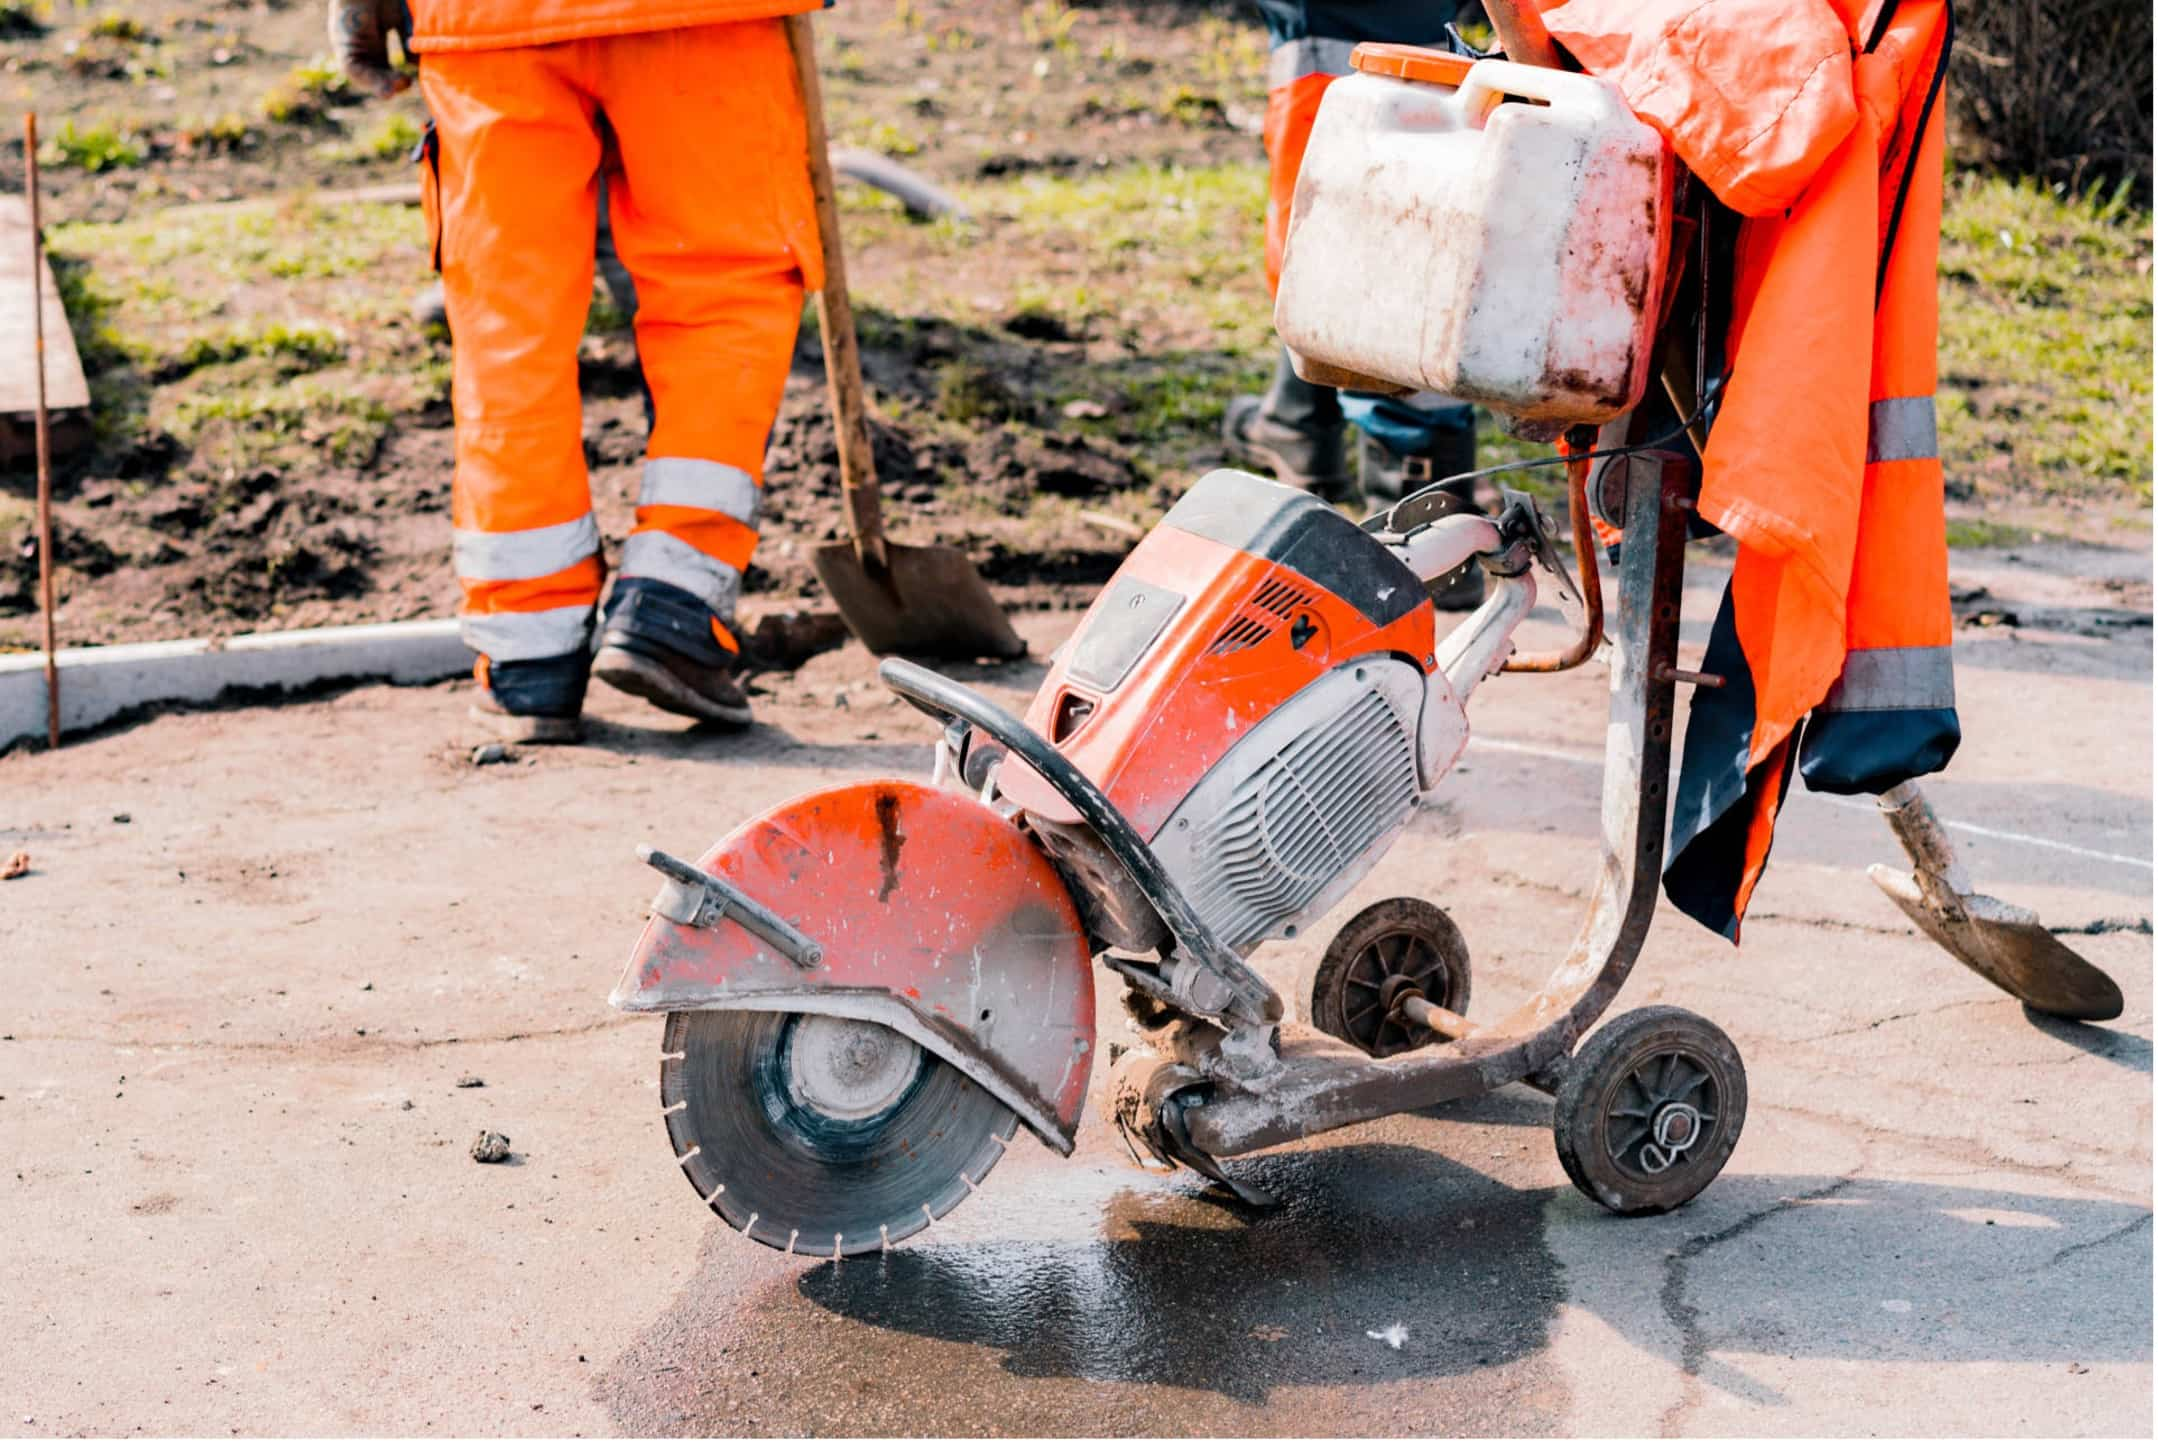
[
  {"x": 123, "y": 817},
  {"x": 487, "y": 754},
  {"x": 407, "y": 1104},
  {"x": 471, "y": 1081},
  {"x": 17, "y": 864},
  {"x": 1084, "y": 410},
  {"x": 839, "y": 698},
  {"x": 490, "y": 1147}
]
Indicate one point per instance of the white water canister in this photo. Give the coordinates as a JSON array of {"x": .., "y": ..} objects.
[{"x": 1493, "y": 231}]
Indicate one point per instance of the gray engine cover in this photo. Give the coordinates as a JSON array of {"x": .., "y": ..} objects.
[{"x": 1294, "y": 814}]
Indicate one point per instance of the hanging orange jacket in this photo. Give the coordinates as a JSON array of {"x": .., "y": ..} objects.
[
  {"x": 446, "y": 25},
  {"x": 1820, "y": 123}
]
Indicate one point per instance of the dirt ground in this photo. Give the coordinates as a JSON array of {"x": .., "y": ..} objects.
[
  {"x": 272, "y": 441},
  {"x": 258, "y": 950}
]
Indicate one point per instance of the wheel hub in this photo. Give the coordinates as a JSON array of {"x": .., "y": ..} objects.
[{"x": 849, "y": 1068}]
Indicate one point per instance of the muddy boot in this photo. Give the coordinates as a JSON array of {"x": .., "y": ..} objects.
[
  {"x": 1388, "y": 476},
  {"x": 1294, "y": 431},
  {"x": 657, "y": 643},
  {"x": 535, "y": 701}
]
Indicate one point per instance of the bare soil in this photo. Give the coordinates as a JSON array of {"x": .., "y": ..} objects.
[{"x": 250, "y": 520}]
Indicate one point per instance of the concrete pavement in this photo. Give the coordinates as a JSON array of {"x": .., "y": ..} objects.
[{"x": 259, "y": 948}]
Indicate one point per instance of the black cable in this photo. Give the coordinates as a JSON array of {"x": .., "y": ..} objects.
[{"x": 1559, "y": 459}]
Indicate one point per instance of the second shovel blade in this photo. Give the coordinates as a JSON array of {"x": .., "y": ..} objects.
[{"x": 930, "y": 603}]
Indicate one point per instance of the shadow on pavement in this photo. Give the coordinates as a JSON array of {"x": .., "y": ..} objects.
[{"x": 1110, "y": 1279}]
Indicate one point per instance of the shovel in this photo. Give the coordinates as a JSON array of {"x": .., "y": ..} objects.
[
  {"x": 2005, "y": 945},
  {"x": 919, "y": 601}
]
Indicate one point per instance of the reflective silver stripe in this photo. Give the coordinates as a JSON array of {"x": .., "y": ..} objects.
[
  {"x": 517, "y": 556},
  {"x": 522, "y": 636},
  {"x": 1310, "y": 55},
  {"x": 1880, "y": 679},
  {"x": 691, "y": 482},
  {"x": 1901, "y": 429},
  {"x": 671, "y": 560}
]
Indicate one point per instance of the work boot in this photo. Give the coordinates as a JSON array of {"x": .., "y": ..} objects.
[
  {"x": 535, "y": 701},
  {"x": 659, "y": 643},
  {"x": 1388, "y": 476},
  {"x": 1294, "y": 431}
]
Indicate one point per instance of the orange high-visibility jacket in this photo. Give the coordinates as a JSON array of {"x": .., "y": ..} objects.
[
  {"x": 1820, "y": 122},
  {"x": 440, "y": 25}
]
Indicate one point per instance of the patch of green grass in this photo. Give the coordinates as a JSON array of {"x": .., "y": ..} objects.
[
  {"x": 968, "y": 392},
  {"x": 1978, "y": 532},
  {"x": 891, "y": 140},
  {"x": 294, "y": 347},
  {"x": 2045, "y": 343},
  {"x": 306, "y": 94},
  {"x": 113, "y": 25},
  {"x": 248, "y": 428},
  {"x": 102, "y": 147}
]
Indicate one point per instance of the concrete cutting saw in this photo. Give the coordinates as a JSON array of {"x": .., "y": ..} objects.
[{"x": 870, "y": 988}]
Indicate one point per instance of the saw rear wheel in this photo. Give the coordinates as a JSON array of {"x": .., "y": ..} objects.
[
  {"x": 1395, "y": 944},
  {"x": 821, "y": 1135}
]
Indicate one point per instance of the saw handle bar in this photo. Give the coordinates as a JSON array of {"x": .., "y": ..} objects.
[{"x": 1251, "y": 1000}]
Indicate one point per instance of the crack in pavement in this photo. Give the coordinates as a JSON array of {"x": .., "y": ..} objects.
[
  {"x": 1962, "y": 1151},
  {"x": 1686, "y": 1318},
  {"x": 1895, "y": 1018}
]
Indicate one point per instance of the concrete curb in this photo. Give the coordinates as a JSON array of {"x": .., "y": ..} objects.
[{"x": 97, "y": 684}]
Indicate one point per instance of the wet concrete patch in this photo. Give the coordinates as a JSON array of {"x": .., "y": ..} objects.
[{"x": 1087, "y": 1298}]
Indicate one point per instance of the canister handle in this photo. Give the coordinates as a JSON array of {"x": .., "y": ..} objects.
[{"x": 1491, "y": 82}]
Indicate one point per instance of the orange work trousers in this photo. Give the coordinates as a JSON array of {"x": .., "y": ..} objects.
[{"x": 709, "y": 197}]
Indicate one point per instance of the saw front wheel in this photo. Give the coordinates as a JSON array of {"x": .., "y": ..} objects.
[
  {"x": 1649, "y": 1110},
  {"x": 820, "y": 1135}
]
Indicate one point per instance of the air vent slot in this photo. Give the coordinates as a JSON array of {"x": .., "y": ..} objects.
[
  {"x": 1273, "y": 604},
  {"x": 1282, "y": 598},
  {"x": 1242, "y": 632}
]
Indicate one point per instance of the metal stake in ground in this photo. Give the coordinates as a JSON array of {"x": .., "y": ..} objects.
[
  {"x": 922, "y": 601},
  {"x": 44, "y": 432}
]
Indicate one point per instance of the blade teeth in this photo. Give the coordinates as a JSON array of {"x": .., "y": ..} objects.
[
  {"x": 927, "y": 1215},
  {"x": 884, "y": 1232},
  {"x": 694, "y": 1151},
  {"x": 674, "y": 1108},
  {"x": 836, "y": 1251},
  {"x": 752, "y": 1224},
  {"x": 792, "y": 1235},
  {"x": 722, "y": 1189}
]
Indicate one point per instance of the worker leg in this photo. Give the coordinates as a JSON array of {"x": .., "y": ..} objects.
[
  {"x": 718, "y": 237},
  {"x": 511, "y": 169},
  {"x": 1295, "y": 429}
]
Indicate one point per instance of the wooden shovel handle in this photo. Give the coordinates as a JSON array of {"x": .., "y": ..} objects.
[
  {"x": 1520, "y": 28},
  {"x": 835, "y": 317}
]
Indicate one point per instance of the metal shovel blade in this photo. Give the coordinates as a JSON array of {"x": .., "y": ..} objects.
[
  {"x": 927, "y": 602},
  {"x": 2009, "y": 948},
  {"x": 2005, "y": 945}
]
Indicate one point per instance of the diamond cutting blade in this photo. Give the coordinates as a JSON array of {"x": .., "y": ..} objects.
[{"x": 821, "y": 1135}]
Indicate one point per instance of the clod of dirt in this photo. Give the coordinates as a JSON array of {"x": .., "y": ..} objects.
[
  {"x": 73, "y": 549},
  {"x": 783, "y": 640},
  {"x": 490, "y": 1147},
  {"x": 488, "y": 754},
  {"x": 18, "y": 863},
  {"x": 471, "y": 1081}
]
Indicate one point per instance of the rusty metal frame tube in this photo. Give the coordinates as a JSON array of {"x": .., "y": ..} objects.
[{"x": 1583, "y": 647}]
